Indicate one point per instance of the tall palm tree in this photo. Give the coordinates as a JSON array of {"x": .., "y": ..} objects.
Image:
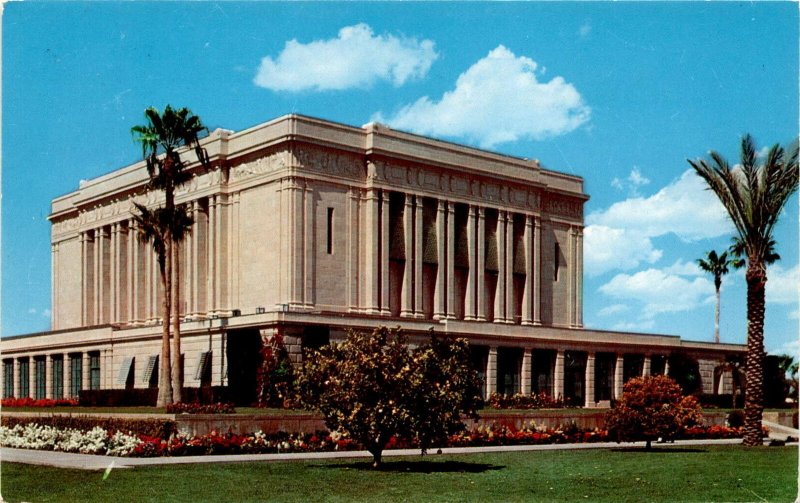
[
  {"x": 153, "y": 229},
  {"x": 754, "y": 195},
  {"x": 164, "y": 138},
  {"x": 180, "y": 226},
  {"x": 717, "y": 265}
]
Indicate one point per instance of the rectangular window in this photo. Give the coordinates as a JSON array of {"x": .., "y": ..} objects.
[
  {"x": 58, "y": 378},
  {"x": 94, "y": 371},
  {"x": 556, "y": 262},
  {"x": 76, "y": 375},
  {"x": 41, "y": 379},
  {"x": 24, "y": 374},
  {"x": 330, "y": 231},
  {"x": 8, "y": 379}
]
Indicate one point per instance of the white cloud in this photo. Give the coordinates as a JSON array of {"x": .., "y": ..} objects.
[
  {"x": 356, "y": 58},
  {"x": 791, "y": 348},
  {"x": 632, "y": 183},
  {"x": 659, "y": 292},
  {"x": 585, "y": 30},
  {"x": 607, "y": 249},
  {"x": 684, "y": 208},
  {"x": 612, "y": 310},
  {"x": 783, "y": 285},
  {"x": 498, "y": 99},
  {"x": 32, "y": 310},
  {"x": 634, "y": 326},
  {"x": 681, "y": 268},
  {"x": 46, "y": 313}
]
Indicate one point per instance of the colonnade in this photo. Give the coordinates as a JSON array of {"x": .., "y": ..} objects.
[
  {"x": 487, "y": 262},
  {"x": 56, "y": 375}
]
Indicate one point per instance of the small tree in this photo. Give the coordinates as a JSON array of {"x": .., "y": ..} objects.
[
  {"x": 651, "y": 407},
  {"x": 275, "y": 375},
  {"x": 373, "y": 387}
]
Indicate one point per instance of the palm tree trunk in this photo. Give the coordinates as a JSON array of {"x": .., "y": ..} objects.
[
  {"x": 716, "y": 319},
  {"x": 177, "y": 375},
  {"x": 753, "y": 403},
  {"x": 164, "y": 375}
]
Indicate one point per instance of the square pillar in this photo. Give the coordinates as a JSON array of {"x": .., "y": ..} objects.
[
  {"x": 15, "y": 377},
  {"x": 500, "y": 291},
  {"x": 618, "y": 376},
  {"x": 646, "y": 365},
  {"x": 470, "y": 312},
  {"x": 418, "y": 310},
  {"x": 385, "y": 253},
  {"x": 480, "y": 271},
  {"x": 85, "y": 371},
  {"x": 67, "y": 376},
  {"x": 666, "y": 366},
  {"x": 590, "y": 377},
  {"x": 558, "y": 375},
  {"x": 32, "y": 377},
  {"x": 509, "y": 316},
  {"x": 491, "y": 372},
  {"x": 528, "y": 295},
  {"x": 527, "y": 375},
  {"x": 372, "y": 273},
  {"x": 451, "y": 261},
  {"x": 537, "y": 271},
  {"x": 439, "y": 306},
  {"x": 579, "y": 279},
  {"x": 407, "y": 292},
  {"x": 48, "y": 377},
  {"x": 219, "y": 359}
]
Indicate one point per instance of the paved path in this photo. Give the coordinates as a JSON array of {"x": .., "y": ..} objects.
[
  {"x": 781, "y": 432},
  {"x": 94, "y": 462}
]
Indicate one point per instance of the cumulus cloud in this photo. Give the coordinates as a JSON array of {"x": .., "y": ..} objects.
[
  {"x": 607, "y": 249},
  {"x": 498, "y": 99},
  {"x": 684, "y": 208},
  {"x": 632, "y": 183},
  {"x": 356, "y": 58},
  {"x": 783, "y": 285},
  {"x": 659, "y": 292},
  {"x": 612, "y": 310}
]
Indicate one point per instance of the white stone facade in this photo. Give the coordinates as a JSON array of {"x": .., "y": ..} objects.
[{"x": 309, "y": 227}]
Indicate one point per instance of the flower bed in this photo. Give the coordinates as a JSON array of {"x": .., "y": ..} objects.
[
  {"x": 45, "y": 402},
  {"x": 119, "y": 443},
  {"x": 198, "y": 408},
  {"x": 532, "y": 401}
]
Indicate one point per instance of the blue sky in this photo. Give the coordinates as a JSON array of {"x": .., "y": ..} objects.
[{"x": 618, "y": 93}]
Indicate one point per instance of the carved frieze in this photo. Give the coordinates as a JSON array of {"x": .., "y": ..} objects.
[
  {"x": 565, "y": 207},
  {"x": 330, "y": 163},
  {"x": 261, "y": 166}
]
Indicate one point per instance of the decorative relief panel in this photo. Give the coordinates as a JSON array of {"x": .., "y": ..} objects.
[
  {"x": 564, "y": 207},
  {"x": 261, "y": 166},
  {"x": 329, "y": 163}
]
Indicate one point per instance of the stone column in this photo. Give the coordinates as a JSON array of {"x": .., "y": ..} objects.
[
  {"x": 113, "y": 255},
  {"x": 666, "y": 366},
  {"x": 500, "y": 291},
  {"x": 646, "y": 365},
  {"x": 385, "y": 211},
  {"x": 15, "y": 378},
  {"x": 571, "y": 279},
  {"x": 480, "y": 272},
  {"x": 133, "y": 271},
  {"x": 579, "y": 280},
  {"x": 353, "y": 247},
  {"x": 48, "y": 377},
  {"x": 102, "y": 294},
  {"x": 528, "y": 295},
  {"x": 470, "y": 312},
  {"x": 491, "y": 372},
  {"x": 67, "y": 376},
  {"x": 106, "y": 369},
  {"x": 219, "y": 360},
  {"x": 85, "y": 371},
  {"x": 537, "y": 271},
  {"x": 451, "y": 260},
  {"x": 618, "y": 376},
  {"x": 194, "y": 307},
  {"x": 32, "y": 377},
  {"x": 439, "y": 306},
  {"x": 85, "y": 280},
  {"x": 418, "y": 309},
  {"x": 590, "y": 377},
  {"x": 372, "y": 274},
  {"x": 509, "y": 316},
  {"x": 407, "y": 294},
  {"x": 558, "y": 375},
  {"x": 527, "y": 375},
  {"x": 211, "y": 248}
]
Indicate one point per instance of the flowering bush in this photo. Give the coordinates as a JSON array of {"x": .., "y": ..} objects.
[
  {"x": 95, "y": 441},
  {"x": 100, "y": 441},
  {"x": 198, "y": 408},
  {"x": 160, "y": 428},
  {"x": 44, "y": 402},
  {"x": 520, "y": 401}
]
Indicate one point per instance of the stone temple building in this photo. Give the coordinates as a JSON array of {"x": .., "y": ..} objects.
[{"x": 308, "y": 228}]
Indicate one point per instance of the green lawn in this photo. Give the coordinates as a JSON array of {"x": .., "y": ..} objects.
[{"x": 707, "y": 473}]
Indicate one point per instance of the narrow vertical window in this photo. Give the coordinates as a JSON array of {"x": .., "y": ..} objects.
[
  {"x": 330, "y": 231},
  {"x": 556, "y": 262}
]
